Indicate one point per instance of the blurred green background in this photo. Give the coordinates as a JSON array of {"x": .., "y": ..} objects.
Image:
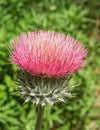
[{"x": 81, "y": 20}]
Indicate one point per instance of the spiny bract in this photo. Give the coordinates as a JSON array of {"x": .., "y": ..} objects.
[{"x": 43, "y": 90}]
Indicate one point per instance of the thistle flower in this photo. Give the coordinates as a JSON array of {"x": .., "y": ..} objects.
[
  {"x": 48, "y": 54},
  {"x": 46, "y": 58}
]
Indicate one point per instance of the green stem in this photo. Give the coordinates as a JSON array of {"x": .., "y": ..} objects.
[{"x": 39, "y": 117}]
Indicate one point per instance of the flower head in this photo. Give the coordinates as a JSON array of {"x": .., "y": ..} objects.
[
  {"x": 48, "y": 53},
  {"x": 46, "y": 58}
]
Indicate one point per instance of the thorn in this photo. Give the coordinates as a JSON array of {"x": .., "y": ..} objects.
[
  {"x": 32, "y": 94},
  {"x": 61, "y": 99},
  {"x": 14, "y": 92},
  {"x": 73, "y": 86}
]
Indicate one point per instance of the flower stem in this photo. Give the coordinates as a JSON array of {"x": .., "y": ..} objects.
[{"x": 39, "y": 117}]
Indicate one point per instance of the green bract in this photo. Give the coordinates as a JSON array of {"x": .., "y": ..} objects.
[{"x": 43, "y": 90}]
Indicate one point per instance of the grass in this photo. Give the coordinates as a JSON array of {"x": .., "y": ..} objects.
[{"x": 80, "y": 20}]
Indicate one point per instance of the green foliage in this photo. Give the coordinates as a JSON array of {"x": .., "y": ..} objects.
[{"x": 69, "y": 17}]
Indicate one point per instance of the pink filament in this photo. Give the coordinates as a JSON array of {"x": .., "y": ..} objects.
[{"x": 48, "y": 53}]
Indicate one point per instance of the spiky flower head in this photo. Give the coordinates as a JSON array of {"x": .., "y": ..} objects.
[{"x": 46, "y": 59}]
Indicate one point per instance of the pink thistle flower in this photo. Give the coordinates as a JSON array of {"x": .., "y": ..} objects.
[{"x": 48, "y": 53}]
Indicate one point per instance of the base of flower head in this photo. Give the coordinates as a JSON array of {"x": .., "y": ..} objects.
[{"x": 43, "y": 90}]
